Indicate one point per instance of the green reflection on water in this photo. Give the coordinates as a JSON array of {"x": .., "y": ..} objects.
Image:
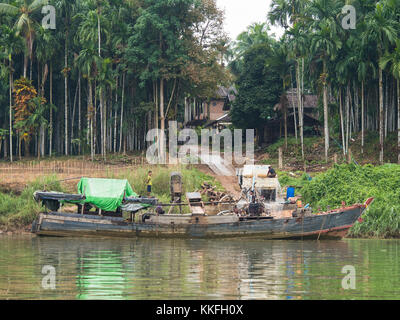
[
  {"x": 100, "y": 274},
  {"x": 197, "y": 269}
]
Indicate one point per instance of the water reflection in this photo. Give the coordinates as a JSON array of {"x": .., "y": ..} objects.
[{"x": 197, "y": 269}]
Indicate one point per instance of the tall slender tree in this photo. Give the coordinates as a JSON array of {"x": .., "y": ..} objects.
[
  {"x": 25, "y": 23},
  {"x": 380, "y": 31},
  {"x": 393, "y": 59}
]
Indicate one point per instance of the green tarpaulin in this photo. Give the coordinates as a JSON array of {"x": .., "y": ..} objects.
[{"x": 105, "y": 194}]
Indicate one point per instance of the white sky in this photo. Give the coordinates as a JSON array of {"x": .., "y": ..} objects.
[{"x": 239, "y": 14}]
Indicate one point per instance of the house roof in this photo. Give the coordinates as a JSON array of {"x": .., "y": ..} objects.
[
  {"x": 229, "y": 93},
  {"x": 310, "y": 101},
  {"x": 225, "y": 119}
]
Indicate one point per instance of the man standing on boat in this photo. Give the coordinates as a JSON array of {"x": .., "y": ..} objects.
[{"x": 149, "y": 183}]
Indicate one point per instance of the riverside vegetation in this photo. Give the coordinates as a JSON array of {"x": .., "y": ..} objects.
[{"x": 354, "y": 184}]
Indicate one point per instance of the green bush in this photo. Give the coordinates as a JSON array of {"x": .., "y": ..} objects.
[
  {"x": 355, "y": 184},
  {"x": 20, "y": 210}
]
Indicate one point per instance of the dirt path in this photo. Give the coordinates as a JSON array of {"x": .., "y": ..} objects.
[{"x": 229, "y": 183}]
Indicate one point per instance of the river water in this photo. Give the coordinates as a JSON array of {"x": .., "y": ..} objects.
[{"x": 197, "y": 269}]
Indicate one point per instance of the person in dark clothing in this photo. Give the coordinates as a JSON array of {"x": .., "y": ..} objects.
[
  {"x": 271, "y": 173},
  {"x": 160, "y": 211},
  {"x": 252, "y": 196}
]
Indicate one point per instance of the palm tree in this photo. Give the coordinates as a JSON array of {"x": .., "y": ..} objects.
[
  {"x": 286, "y": 12},
  {"x": 45, "y": 50},
  {"x": 104, "y": 80},
  {"x": 297, "y": 48},
  {"x": 290, "y": 14},
  {"x": 87, "y": 62},
  {"x": 279, "y": 61},
  {"x": 364, "y": 66},
  {"x": 11, "y": 44},
  {"x": 393, "y": 59},
  {"x": 325, "y": 42},
  {"x": 90, "y": 33},
  {"x": 346, "y": 67},
  {"x": 67, "y": 8},
  {"x": 380, "y": 31},
  {"x": 256, "y": 33},
  {"x": 121, "y": 32},
  {"x": 25, "y": 24}
]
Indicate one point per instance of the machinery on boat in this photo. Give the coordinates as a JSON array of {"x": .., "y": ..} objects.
[{"x": 110, "y": 208}]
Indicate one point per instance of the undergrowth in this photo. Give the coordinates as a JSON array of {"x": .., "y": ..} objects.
[
  {"x": 355, "y": 184},
  {"x": 20, "y": 210}
]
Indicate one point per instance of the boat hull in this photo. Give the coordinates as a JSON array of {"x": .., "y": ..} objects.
[{"x": 334, "y": 225}]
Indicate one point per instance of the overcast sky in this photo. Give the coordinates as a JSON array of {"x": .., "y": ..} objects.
[{"x": 241, "y": 13}]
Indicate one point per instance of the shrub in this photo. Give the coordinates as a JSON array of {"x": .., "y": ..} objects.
[{"x": 355, "y": 184}]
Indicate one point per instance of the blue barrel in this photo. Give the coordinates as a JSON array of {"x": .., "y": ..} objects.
[{"x": 290, "y": 192}]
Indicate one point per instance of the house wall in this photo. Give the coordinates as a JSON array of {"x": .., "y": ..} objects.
[{"x": 216, "y": 109}]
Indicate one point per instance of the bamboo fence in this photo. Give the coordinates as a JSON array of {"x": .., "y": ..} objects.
[{"x": 29, "y": 170}]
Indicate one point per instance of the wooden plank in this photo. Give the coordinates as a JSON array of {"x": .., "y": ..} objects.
[{"x": 197, "y": 210}]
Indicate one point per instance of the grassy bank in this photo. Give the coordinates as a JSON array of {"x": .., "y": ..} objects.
[
  {"x": 18, "y": 209},
  {"x": 354, "y": 184}
]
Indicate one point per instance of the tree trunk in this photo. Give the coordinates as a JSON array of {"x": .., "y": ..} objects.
[
  {"x": 30, "y": 69},
  {"x": 381, "y": 115},
  {"x": 284, "y": 106},
  {"x": 347, "y": 116},
  {"x": 42, "y": 91},
  {"x": 299, "y": 98},
  {"x": 386, "y": 97},
  {"x": 101, "y": 122},
  {"x": 122, "y": 112},
  {"x": 356, "y": 109},
  {"x": 73, "y": 117},
  {"x": 99, "y": 30},
  {"x": 90, "y": 118},
  {"x": 105, "y": 129},
  {"x": 398, "y": 119},
  {"x": 362, "y": 117},
  {"x": 95, "y": 118},
  {"x": 115, "y": 116},
  {"x": 326, "y": 115},
  {"x": 342, "y": 121},
  {"x": 79, "y": 112},
  {"x": 51, "y": 110},
  {"x": 25, "y": 64},
  {"x": 66, "y": 94},
  {"x": 10, "y": 97},
  {"x": 162, "y": 122},
  {"x": 294, "y": 107},
  {"x": 20, "y": 147}
]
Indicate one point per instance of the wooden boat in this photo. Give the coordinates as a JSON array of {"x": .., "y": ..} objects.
[
  {"x": 329, "y": 225},
  {"x": 197, "y": 224}
]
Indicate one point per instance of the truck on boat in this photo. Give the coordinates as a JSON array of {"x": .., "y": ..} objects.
[{"x": 110, "y": 208}]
